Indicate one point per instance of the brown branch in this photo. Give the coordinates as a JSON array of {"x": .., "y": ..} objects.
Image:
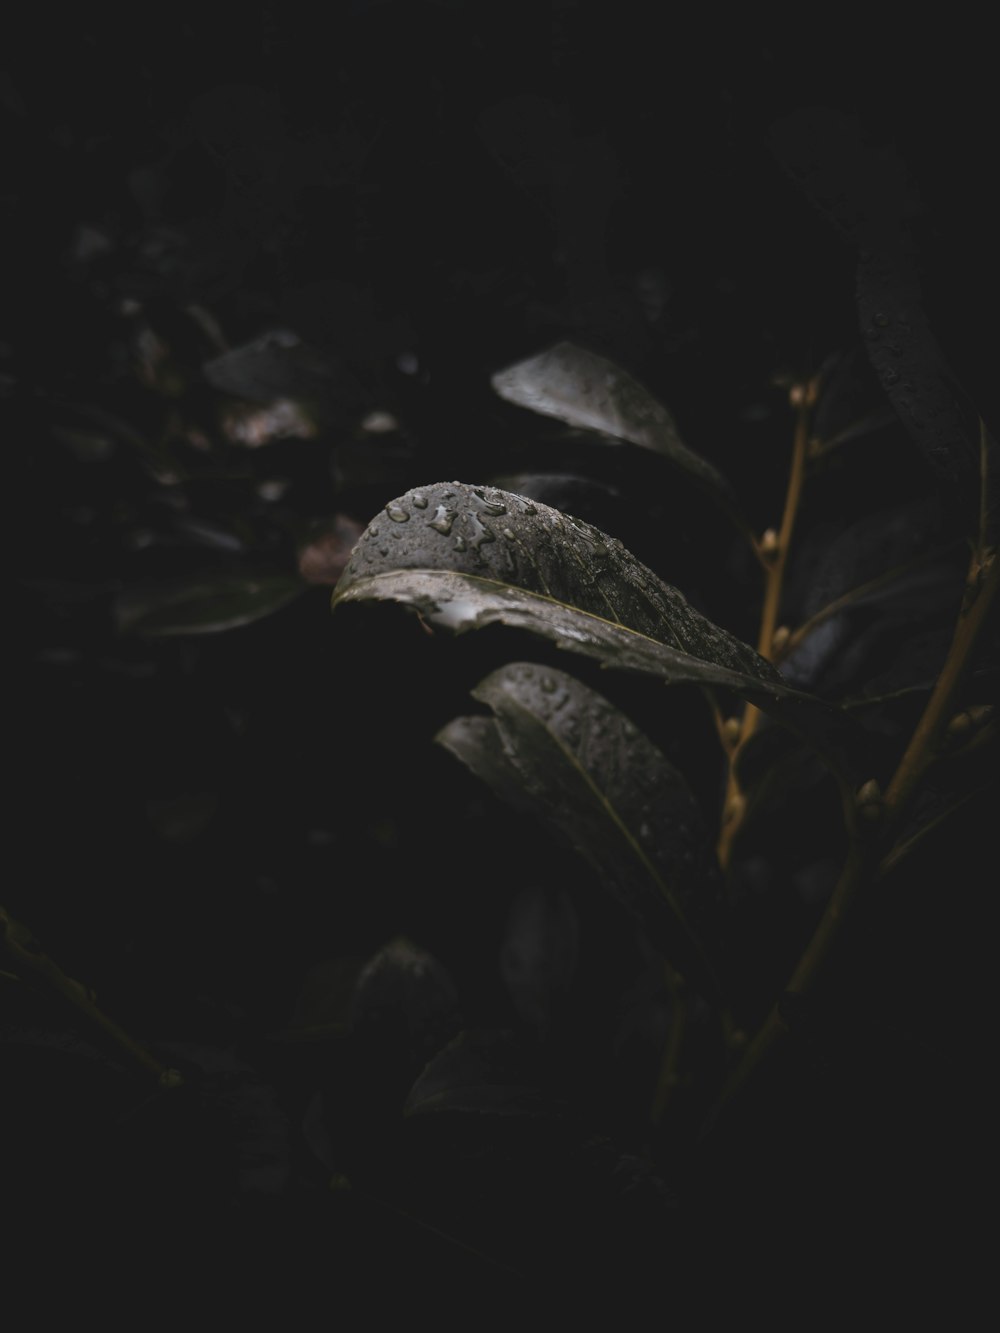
[
  {"x": 772, "y": 551},
  {"x": 872, "y": 843}
]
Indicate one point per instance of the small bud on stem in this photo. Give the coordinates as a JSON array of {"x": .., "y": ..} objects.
[
  {"x": 868, "y": 801},
  {"x": 768, "y": 545},
  {"x": 731, "y": 729}
]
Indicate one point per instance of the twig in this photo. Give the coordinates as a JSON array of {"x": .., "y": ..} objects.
[
  {"x": 855, "y": 595},
  {"x": 772, "y": 551},
  {"x": 871, "y": 846}
]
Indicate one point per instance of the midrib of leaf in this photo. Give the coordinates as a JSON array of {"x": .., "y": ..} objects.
[{"x": 567, "y": 606}]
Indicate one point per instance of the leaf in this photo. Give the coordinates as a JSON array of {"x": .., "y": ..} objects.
[
  {"x": 922, "y": 388},
  {"x": 851, "y": 403},
  {"x": 893, "y": 563},
  {"x": 204, "y": 605},
  {"x": 279, "y": 366},
  {"x": 481, "y": 1071},
  {"x": 606, "y": 788},
  {"x": 586, "y": 390},
  {"x": 863, "y": 189},
  {"x": 465, "y": 557},
  {"x": 404, "y": 1008},
  {"x": 477, "y": 742}
]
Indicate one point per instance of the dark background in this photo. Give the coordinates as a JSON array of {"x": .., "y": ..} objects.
[{"x": 425, "y": 192}]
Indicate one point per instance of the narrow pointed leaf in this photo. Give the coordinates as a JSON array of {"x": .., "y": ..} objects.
[
  {"x": 607, "y": 789},
  {"x": 477, "y": 742},
  {"x": 204, "y": 605},
  {"x": 465, "y": 557},
  {"x": 586, "y": 390}
]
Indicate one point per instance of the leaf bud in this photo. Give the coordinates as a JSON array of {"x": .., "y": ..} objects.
[
  {"x": 731, "y": 729},
  {"x": 868, "y": 801},
  {"x": 959, "y": 727},
  {"x": 768, "y": 545}
]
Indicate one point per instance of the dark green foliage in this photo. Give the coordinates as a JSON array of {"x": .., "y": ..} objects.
[{"x": 366, "y": 956}]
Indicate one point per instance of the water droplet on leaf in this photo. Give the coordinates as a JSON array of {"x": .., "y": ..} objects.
[
  {"x": 397, "y": 513},
  {"x": 443, "y": 520}
]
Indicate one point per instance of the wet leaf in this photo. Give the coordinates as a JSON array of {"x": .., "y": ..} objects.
[
  {"x": 465, "y": 557},
  {"x": 477, "y": 742},
  {"x": 607, "y": 789},
  {"x": 204, "y": 605},
  {"x": 586, "y": 390}
]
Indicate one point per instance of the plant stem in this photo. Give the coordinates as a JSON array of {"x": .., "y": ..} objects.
[
  {"x": 774, "y": 558},
  {"x": 870, "y": 850}
]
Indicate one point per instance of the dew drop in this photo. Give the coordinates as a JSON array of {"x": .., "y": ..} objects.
[
  {"x": 420, "y": 502},
  {"x": 548, "y": 685},
  {"x": 460, "y": 544},
  {"x": 442, "y": 520},
  {"x": 493, "y": 507},
  {"x": 485, "y": 535},
  {"x": 373, "y": 530},
  {"x": 397, "y": 513},
  {"x": 508, "y": 534},
  {"x": 530, "y": 508}
]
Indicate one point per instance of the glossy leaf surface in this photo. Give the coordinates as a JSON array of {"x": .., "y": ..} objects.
[
  {"x": 586, "y": 390},
  {"x": 607, "y": 789},
  {"x": 469, "y": 556}
]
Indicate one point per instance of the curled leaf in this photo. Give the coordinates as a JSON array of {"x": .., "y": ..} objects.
[{"x": 465, "y": 557}]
